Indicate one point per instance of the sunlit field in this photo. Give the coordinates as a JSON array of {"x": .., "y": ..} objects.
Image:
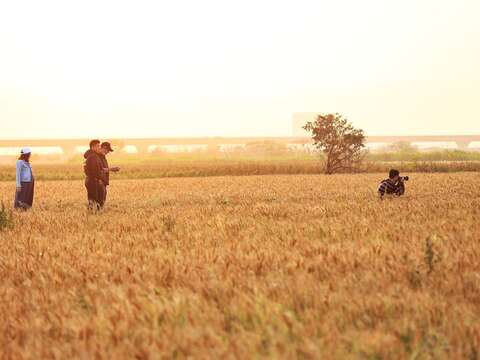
[
  {"x": 152, "y": 167},
  {"x": 284, "y": 266}
]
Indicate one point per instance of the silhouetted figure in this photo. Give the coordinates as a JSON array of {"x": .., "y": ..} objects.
[
  {"x": 94, "y": 181},
  {"x": 25, "y": 182},
  {"x": 106, "y": 148}
]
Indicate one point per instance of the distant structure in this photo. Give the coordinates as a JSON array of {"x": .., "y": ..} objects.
[
  {"x": 299, "y": 120},
  {"x": 300, "y": 140}
]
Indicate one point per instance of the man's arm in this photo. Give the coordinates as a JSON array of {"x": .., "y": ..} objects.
[
  {"x": 381, "y": 190},
  {"x": 94, "y": 168},
  {"x": 17, "y": 175},
  {"x": 400, "y": 188},
  {"x": 89, "y": 171},
  {"x": 112, "y": 169}
]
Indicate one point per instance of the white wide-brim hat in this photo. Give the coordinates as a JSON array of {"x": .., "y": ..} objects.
[{"x": 26, "y": 150}]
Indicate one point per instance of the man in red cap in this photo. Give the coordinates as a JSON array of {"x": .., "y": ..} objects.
[{"x": 106, "y": 148}]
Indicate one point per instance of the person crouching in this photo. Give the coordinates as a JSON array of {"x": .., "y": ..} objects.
[{"x": 394, "y": 185}]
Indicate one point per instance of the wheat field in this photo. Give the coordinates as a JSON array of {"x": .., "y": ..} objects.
[{"x": 285, "y": 266}]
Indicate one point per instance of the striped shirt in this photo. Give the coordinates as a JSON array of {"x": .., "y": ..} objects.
[{"x": 387, "y": 186}]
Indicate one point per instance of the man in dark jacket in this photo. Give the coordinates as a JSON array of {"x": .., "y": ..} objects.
[
  {"x": 106, "y": 148},
  {"x": 94, "y": 181}
]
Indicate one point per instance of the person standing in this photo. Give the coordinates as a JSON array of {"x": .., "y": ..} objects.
[
  {"x": 25, "y": 183},
  {"x": 106, "y": 148},
  {"x": 94, "y": 175}
]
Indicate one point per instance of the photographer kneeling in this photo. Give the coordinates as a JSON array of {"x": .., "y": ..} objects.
[{"x": 394, "y": 185}]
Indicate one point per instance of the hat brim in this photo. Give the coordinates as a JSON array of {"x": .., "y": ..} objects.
[{"x": 108, "y": 148}]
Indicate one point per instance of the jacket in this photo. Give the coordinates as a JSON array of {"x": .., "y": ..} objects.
[
  {"x": 106, "y": 174},
  {"x": 93, "y": 166},
  {"x": 23, "y": 172}
]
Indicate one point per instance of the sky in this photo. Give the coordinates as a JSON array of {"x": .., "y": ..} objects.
[{"x": 110, "y": 69}]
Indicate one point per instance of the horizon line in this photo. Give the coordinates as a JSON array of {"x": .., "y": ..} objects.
[{"x": 221, "y": 137}]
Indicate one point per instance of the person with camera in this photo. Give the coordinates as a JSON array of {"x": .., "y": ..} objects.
[{"x": 394, "y": 185}]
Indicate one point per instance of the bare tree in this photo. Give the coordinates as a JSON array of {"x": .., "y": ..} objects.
[{"x": 341, "y": 143}]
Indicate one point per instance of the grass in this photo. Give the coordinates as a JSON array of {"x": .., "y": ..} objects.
[
  {"x": 6, "y": 218},
  {"x": 197, "y": 165},
  {"x": 298, "y": 266},
  {"x": 412, "y": 155}
]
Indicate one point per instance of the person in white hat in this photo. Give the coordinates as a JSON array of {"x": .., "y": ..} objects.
[{"x": 25, "y": 182}]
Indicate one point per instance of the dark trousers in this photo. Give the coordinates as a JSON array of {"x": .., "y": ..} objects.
[
  {"x": 95, "y": 191},
  {"x": 102, "y": 189},
  {"x": 24, "y": 197}
]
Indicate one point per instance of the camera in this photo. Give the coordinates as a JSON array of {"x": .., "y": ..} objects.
[{"x": 403, "y": 178}]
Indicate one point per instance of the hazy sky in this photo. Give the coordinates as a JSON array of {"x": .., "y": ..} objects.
[{"x": 226, "y": 68}]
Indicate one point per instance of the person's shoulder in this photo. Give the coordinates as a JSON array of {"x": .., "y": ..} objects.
[
  {"x": 93, "y": 155},
  {"x": 383, "y": 184},
  {"x": 20, "y": 162}
]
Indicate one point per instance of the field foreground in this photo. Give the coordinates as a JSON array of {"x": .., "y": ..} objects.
[{"x": 300, "y": 266}]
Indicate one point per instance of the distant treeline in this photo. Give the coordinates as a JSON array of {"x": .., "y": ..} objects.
[
  {"x": 278, "y": 154},
  {"x": 267, "y": 150},
  {"x": 161, "y": 168},
  {"x": 415, "y": 155}
]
